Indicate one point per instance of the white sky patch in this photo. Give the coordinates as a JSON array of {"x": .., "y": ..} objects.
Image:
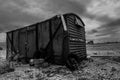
[
  {"x": 84, "y": 2},
  {"x": 91, "y": 24},
  {"x": 118, "y": 32},
  {"x": 90, "y": 37},
  {"x": 37, "y": 8},
  {"x": 10, "y": 5},
  {"x": 105, "y": 36},
  {"x": 110, "y": 8},
  {"x": 96, "y": 38},
  {"x": 2, "y": 37}
]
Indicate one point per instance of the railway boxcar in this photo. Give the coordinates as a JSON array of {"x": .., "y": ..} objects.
[{"x": 55, "y": 40}]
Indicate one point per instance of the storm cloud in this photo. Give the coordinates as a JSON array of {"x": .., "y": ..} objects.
[
  {"x": 17, "y": 13},
  {"x": 101, "y": 17},
  {"x": 111, "y": 28}
]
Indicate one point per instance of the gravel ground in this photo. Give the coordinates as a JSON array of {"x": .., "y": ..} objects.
[{"x": 91, "y": 69}]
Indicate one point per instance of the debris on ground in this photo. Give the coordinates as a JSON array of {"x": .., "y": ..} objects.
[
  {"x": 4, "y": 66},
  {"x": 91, "y": 69}
]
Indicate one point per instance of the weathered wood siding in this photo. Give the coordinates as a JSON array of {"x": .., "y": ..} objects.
[{"x": 51, "y": 36}]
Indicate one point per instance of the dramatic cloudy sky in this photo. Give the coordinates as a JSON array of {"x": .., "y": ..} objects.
[{"x": 101, "y": 17}]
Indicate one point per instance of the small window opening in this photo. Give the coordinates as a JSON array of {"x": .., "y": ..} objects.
[{"x": 78, "y": 23}]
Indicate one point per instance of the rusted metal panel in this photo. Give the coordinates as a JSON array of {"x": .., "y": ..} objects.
[
  {"x": 55, "y": 23},
  {"x": 40, "y": 36},
  {"x": 58, "y": 44},
  {"x": 65, "y": 46},
  {"x": 9, "y": 46},
  {"x": 15, "y": 40},
  {"x": 31, "y": 41},
  {"x": 43, "y": 34},
  {"x": 58, "y": 38},
  {"x": 23, "y": 42}
]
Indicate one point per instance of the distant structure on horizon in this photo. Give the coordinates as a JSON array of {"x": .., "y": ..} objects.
[
  {"x": 1, "y": 48},
  {"x": 90, "y": 42}
]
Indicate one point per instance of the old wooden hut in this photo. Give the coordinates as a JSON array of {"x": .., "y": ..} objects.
[{"x": 55, "y": 40}]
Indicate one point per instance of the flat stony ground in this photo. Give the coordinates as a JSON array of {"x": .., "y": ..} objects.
[
  {"x": 111, "y": 49},
  {"x": 91, "y": 69}
]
